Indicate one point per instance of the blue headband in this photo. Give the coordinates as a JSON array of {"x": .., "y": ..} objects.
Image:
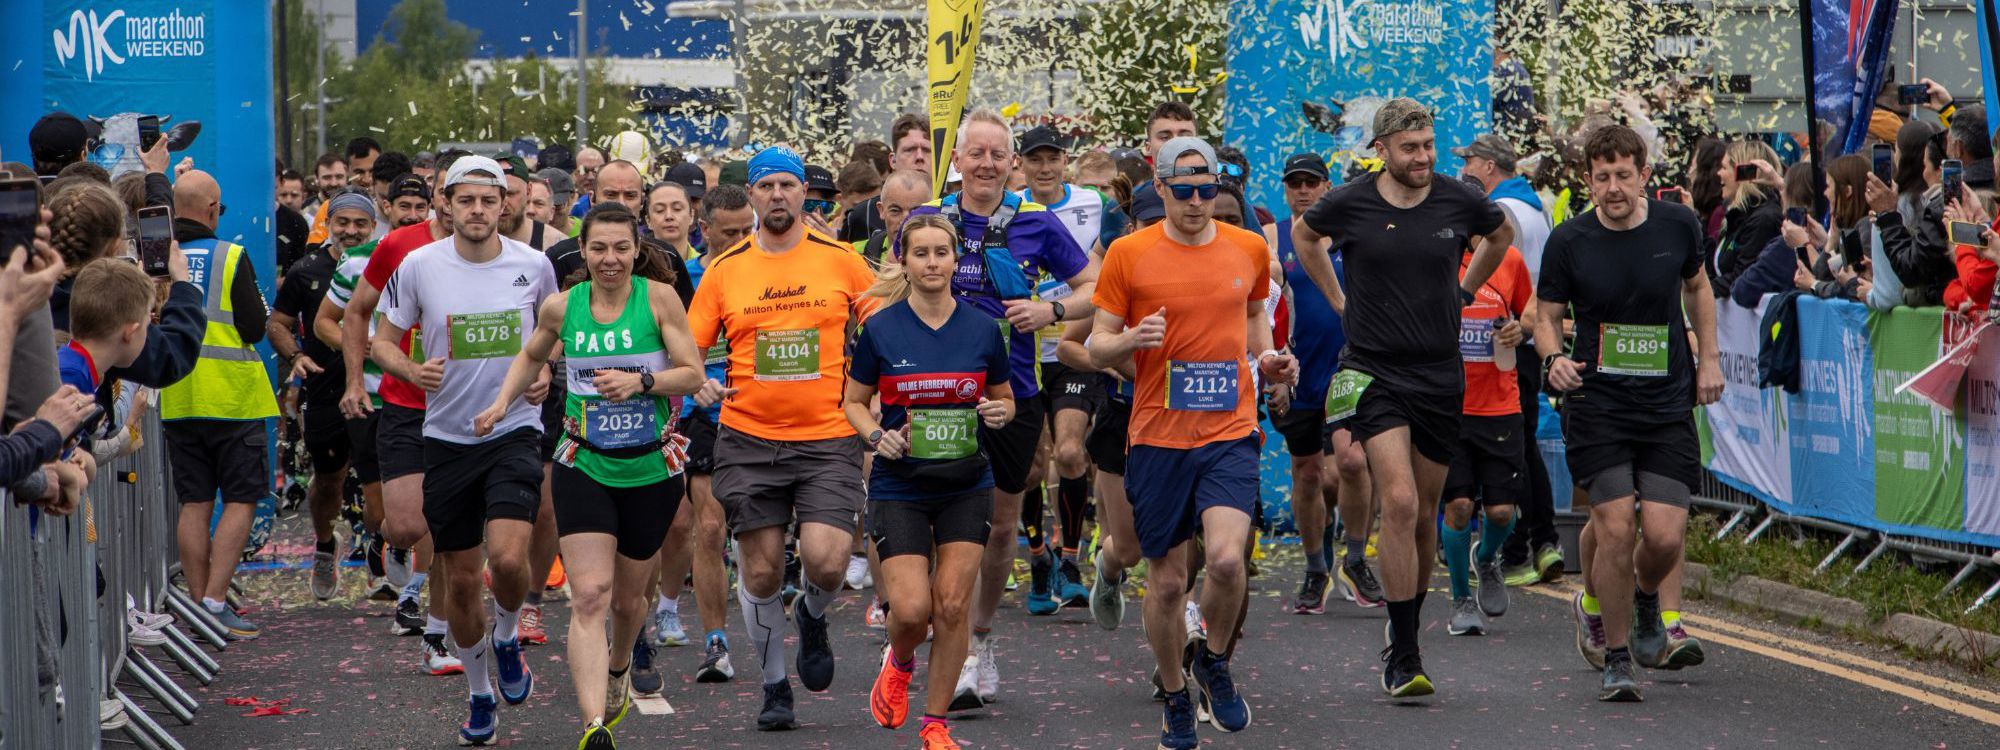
[{"x": 776, "y": 160}]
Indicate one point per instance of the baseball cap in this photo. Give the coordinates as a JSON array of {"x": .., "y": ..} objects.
[
  {"x": 1305, "y": 162},
  {"x": 1173, "y": 150},
  {"x": 1399, "y": 115},
  {"x": 515, "y": 165},
  {"x": 462, "y": 172},
  {"x": 819, "y": 178},
  {"x": 1042, "y": 136},
  {"x": 1147, "y": 204},
  {"x": 691, "y": 178},
  {"x": 408, "y": 185},
  {"x": 561, "y": 186},
  {"x": 1493, "y": 147},
  {"x": 734, "y": 172},
  {"x": 59, "y": 135}
]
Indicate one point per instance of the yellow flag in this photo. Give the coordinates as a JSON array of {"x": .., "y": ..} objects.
[{"x": 953, "y": 35}]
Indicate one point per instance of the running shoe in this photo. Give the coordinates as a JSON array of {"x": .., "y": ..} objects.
[
  {"x": 154, "y": 620},
  {"x": 138, "y": 633},
  {"x": 1619, "y": 686},
  {"x": 325, "y": 576},
  {"x": 396, "y": 567},
  {"x": 1177, "y": 723},
  {"x": 715, "y": 666},
  {"x": 1071, "y": 592},
  {"x": 1312, "y": 595},
  {"x": 1358, "y": 585},
  {"x": 617, "y": 697},
  {"x": 646, "y": 680},
  {"x": 517, "y": 681},
  {"x": 379, "y": 590},
  {"x": 597, "y": 736},
  {"x": 532, "y": 633},
  {"x": 409, "y": 619},
  {"x": 1523, "y": 574},
  {"x": 1403, "y": 676},
  {"x": 877, "y": 616},
  {"x": 1649, "y": 635},
  {"x": 1215, "y": 692},
  {"x": 1683, "y": 650},
  {"x": 989, "y": 671},
  {"x": 1549, "y": 560},
  {"x": 480, "y": 727},
  {"x": 1041, "y": 594},
  {"x": 1192, "y": 623},
  {"x": 1107, "y": 598},
  {"x": 1492, "y": 593},
  {"x": 815, "y": 660},
  {"x": 1012, "y": 583},
  {"x": 438, "y": 658},
  {"x": 857, "y": 573},
  {"x": 937, "y": 736},
  {"x": 667, "y": 629},
  {"x": 1589, "y": 634},
  {"x": 889, "y": 699},
  {"x": 233, "y": 625},
  {"x": 777, "y": 714},
  {"x": 1466, "y": 618},
  {"x": 965, "y": 697}
]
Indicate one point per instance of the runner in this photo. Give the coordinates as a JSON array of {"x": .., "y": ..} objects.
[
  {"x": 475, "y": 293},
  {"x": 1193, "y": 460},
  {"x": 1034, "y": 241},
  {"x": 1628, "y": 271},
  {"x": 669, "y": 213},
  {"x": 1490, "y": 471},
  {"x": 939, "y": 366},
  {"x": 1402, "y": 235},
  {"x": 784, "y": 299},
  {"x": 515, "y": 223},
  {"x": 618, "y": 467},
  {"x": 1329, "y": 469}
]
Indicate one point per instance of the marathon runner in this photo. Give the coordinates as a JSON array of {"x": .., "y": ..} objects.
[
  {"x": 475, "y": 293},
  {"x": 1403, "y": 235},
  {"x": 669, "y": 213},
  {"x": 618, "y": 467},
  {"x": 1032, "y": 241},
  {"x": 941, "y": 369},
  {"x": 785, "y": 300},
  {"x": 1193, "y": 456},
  {"x": 1628, "y": 272}
]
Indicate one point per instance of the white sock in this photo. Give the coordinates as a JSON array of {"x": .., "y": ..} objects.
[
  {"x": 765, "y": 620},
  {"x": 818, "y": 598},
  {"x": 506, "y": 624},
  {"x": 212, "y": 605},
  {"x": 435, "y": 626},
  {"x": 478, "y": 662},
  {"x": 668, "y": 605}
]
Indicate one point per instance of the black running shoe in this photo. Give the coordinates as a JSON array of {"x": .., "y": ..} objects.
[
  {"x": 815, "y": 661},
  {"x": 777, "y": 715}
]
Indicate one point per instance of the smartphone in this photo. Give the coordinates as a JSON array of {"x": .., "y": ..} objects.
[
  {"x": 20, "y": 213},
  {"x": 1967, "y": 233},
  {"x": 1953, "y": 180},
  {"x": 85, "y": 427},
  {"x": 156, "y": 237},
  {"x": 1885, "y": 163},
  {"x": 1746, "y": 172},
  {"x": 1796, "y": 215},
  {"x": 1913, "y": 93},
  {"x": 1669, "y": 195},
  {"x": 149, "y": 131}
]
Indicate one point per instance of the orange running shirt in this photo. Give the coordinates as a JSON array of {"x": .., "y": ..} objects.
[
  {"x": 1488, "y": 391},
  {"x": 1181, "y": 397},
  {"x": 785, "y": 317}
]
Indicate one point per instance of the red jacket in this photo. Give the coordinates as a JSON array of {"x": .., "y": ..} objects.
[{"x": 1975, "y": 278}]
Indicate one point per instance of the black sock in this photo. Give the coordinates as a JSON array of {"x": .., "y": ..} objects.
[
  {"x": 617, "y": 673},
  {"x": 1072, "y": 497},
  {"x": 1031, "y": 516},
  {"x": 1621, "y": 653},
  {"x": 328, "y": 545},
  {"x": 1643, "y": 599},
  {"x": 1403, "y": 624}
]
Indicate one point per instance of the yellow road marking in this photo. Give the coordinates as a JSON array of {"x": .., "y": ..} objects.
[{"x": 1712, "y": 624}]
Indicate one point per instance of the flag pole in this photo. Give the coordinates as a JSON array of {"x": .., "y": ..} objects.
[{"x": 1812, "y": 107}]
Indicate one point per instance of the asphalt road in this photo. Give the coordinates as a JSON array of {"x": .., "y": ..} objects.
[{"x": 1313, "y": 682}]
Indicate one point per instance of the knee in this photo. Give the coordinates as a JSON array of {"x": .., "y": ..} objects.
[
  {"x": 709, "y": 531},
  {"x": 1305, "y": 472},
  {"x": 949, "y": 612},
  {"x": 507, "y": 559},
  {"x": 1500, "y": 514},
  {"x": 589, "y": 598},
  {"x": 1169, "y": 582},
  {"x": 1352, "y": 461},
  {"x": 1071, "y": 460},
  {"x": 1663, "y": 541},
  {"x": 403, "y": 533},
  {"x": 1458, "y": 514},
  {"x": 1399, "y": 507},
  {"x": 759, "y": 578},
  {"x": 1225, "y": 565},
  {"x": 627, "y": 607},
  {"x": 1612, "y": 533}
]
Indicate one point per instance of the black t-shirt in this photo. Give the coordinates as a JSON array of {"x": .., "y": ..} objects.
[
  {"x": 862, "y": 221},
  {"x": 305, "y": 285},
  {"x": 1622, "y": 279},
  {"x": 290, "y": 233},
  {"x": 1402, "y": 277}
]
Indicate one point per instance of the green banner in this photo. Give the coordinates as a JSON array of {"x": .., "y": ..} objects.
[{"x": 1919, "y": 450}]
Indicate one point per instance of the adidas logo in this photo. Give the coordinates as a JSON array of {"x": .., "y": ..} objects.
[{"x": 521, "y": 280}]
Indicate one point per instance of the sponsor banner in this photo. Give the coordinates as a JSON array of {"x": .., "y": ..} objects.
[
  {"x": 1919, "y": 449},
  {"x": 1745, "y": 439},
  {"x": 1981, "y": 402},
  {"x": 953, "y": 37},
  {"x": 1830, "y": 419}
]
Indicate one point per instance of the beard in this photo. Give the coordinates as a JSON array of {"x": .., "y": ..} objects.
[
  {"x": 779, "y": 221},
  {"x": 511, "y": 223},
  {"x": 1407, "y": 179},
  {"x": 475, "y": 232}
]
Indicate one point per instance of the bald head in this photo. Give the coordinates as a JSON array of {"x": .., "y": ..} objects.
[{"x": 198, "y": 197}]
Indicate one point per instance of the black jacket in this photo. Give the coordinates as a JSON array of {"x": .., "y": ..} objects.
[
  {"x": 1745, "y": 232},
  {"x": 244, "y": 297},
  {"x": 1921, "y": 259}
]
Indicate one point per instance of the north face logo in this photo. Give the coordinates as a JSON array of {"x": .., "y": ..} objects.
[{"x": 521, "y": 280}]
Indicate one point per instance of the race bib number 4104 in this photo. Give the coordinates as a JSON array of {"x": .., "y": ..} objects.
[{"x": 788, "y": 355}]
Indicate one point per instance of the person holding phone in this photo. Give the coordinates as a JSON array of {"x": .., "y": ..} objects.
[
  {"x": 1916, "y": 265},
  {"x": 1750, "y": 188},
  {"x": 1972, "y": 290}
]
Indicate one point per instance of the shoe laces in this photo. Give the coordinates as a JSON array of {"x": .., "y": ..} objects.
[
  {"x": 938, "y": 737},
  {"x": 1596, "y": 625},
  {"x": 642, "y": 655},
  {"x": 1219, "y": 683},
  {"x": 1180, "y": 713}
]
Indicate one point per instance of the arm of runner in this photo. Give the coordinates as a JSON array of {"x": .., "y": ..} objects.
[
  {"x": 1113, "y": 346},
  {"x": 528, "y": 366},
  {"x": 389, "y": 355},
  {"x": 1708, "y": 367},
  {"x": 1563, "y": 373},
  {"x": 326, "y": 323},
  {"x": 1319, "y": 266},
  {"x": 278, "y": 328},
  {"x": 354, "y": 347},
  {"x": 854, "y": 402},
  {"x": 1492, "y": 249},
  {"x": 1276, "y": 366},
  {"x": 996, "y": 408},
  {"x": 687, "y": 374}
]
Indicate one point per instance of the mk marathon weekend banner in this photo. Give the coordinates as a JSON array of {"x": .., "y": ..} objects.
[{"x": 1848, "y": 447}]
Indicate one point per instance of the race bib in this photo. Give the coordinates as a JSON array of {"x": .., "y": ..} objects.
[
  {"x": 943, "y": 434},
  {"x": 1638, "y": 350},
  {"x": 484, "y": 335},
  {"x": 621, "y": 424},
  {"x": 717, "y": 354},
  {"x": 1202, "y": 386},
  {"x": 1475, "y": 339},
  {"x": 788, "y": 355},
  {"x": 1345, "y": 393},
  {"x": 416, "y": 337}
]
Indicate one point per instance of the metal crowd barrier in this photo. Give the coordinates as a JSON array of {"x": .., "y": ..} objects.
[{"x": 67, "y": 581}]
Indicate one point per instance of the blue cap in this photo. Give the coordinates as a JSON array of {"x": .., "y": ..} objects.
[{"x": 776, "y": 160}]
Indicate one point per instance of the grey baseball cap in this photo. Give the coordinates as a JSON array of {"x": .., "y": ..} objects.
[
  {"x": 561, "y": 185},
  {"x": 461, "y": 172},
  {"x": 1492, "y": 147},
  {"x": 1173, "y": 150}
]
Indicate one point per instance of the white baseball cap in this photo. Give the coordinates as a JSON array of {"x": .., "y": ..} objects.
[{"x": 462, "y": 172}]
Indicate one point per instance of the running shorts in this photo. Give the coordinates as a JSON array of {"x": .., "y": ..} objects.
[
  {"x": 465, "y": 486},
  {"x": 638, "y": 517},
  {"x": 915, "y": 527}
]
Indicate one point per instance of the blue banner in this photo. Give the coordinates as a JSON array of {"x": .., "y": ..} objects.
[
  {"x": 1986, "y": 14},
  {"x": 1850, "y": 53},
  {"x": 1350, "y": 56},
  {"x": 1831, "y": 418}
]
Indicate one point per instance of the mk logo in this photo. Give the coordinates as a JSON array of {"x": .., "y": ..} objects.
[{"x": 86, "y": 40}]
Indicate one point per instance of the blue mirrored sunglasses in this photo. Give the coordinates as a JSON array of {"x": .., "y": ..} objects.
[{"x": 1184, "y": 192}]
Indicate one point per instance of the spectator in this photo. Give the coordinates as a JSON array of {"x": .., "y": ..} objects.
[
  {"x": 1920, "y": 266},
  {"x": 26, "y": 280},
  {"x": 58, "y": 140},
  {"x": 1914, "y": 167},
  {"x": 86, "y": 170},
  {"x": 88, "y": 224},
  {"x": 1753, "y": 215},
  {"x": 1843, "y": 270},
  {"x": 1972, "y": 291},
  {"x": 1705, "y": 186},
  {"x": 291, "y": 189},
  {"x": 1777, "y": 263},
  {"x": 114, "y": 301}
]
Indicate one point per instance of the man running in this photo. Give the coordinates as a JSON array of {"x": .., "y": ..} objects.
[
  {"x": 1628, "y": 272},
  {"x": 618, "y": 468},
  {"x": 1403, "y": 235},
  {"x": 785, "y": 301},
  {"x": 476, "y": 294},
  {"x": 993, "y": 225},
  {"x": 1193, "y": 460}
]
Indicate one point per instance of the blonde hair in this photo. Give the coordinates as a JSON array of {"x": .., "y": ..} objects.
[
  {"x": 1092, "y": 161},
  {"x": 1745, "y": 151},
  {"x": 110, "y": 293},
  {"x": 84, "y": 218},
  {"x": 892, "y": 285},
  {"x": 989, "y": 117}
]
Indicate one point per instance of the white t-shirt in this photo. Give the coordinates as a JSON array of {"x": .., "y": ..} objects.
[
  {"x": 1082, "y": 212},
  {"x": 478, "y": 315},
  {"x": 1531, "y": 233}
]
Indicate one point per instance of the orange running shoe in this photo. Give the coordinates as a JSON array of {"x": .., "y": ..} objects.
[
  {"x": 531, "y": 626},
  {"x": 889, "y": 700},
  {"x": 938, "y": 737},
  {"x": 556, "y": 575}
]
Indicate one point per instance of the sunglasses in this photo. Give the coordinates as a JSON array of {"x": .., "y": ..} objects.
[
  {"x": 1184, "y": 192},
  {"x": 819, "y": 206}
]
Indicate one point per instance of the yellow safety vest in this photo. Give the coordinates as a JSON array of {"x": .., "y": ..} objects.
[{"x": 228, "y": 381}]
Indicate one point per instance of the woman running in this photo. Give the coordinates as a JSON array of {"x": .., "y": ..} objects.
[
  {"x": 618, "y": 466},
  {"x": 942, "y": 369}
]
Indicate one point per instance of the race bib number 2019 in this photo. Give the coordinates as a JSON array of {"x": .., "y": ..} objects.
[
  {"x": 1475, "y": 339},
  {"x": 485, "y": 335},
  {"x": 788, "y": 355}
]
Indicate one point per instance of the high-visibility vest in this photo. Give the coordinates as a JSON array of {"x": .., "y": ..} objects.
[{"x": 228, "y": 381}]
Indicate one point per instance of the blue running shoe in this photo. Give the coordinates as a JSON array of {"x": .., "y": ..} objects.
[
  {"x": 1041, "y": 590},
  {"x": 1069, "y": 585},
  {"x": 1216, "y": 692},
  {"x": 480, "y": 727},
  {"x": 1177, "y": 725},
  {"x": 517, "y": 682}
]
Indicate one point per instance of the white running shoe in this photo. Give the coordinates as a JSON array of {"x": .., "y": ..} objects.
[
  {"x": 857, "y": 573},
  {"x": 966, "y": 696},
  {"x": 989, "y": 671}
]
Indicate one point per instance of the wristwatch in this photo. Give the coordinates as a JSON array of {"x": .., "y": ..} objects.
[
  {"x": 874, "y": 438},
  {"x": 1057, "y": 306},
  {"x": 1547, "y": 362},
  {"x": 645, "y": 382}
]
